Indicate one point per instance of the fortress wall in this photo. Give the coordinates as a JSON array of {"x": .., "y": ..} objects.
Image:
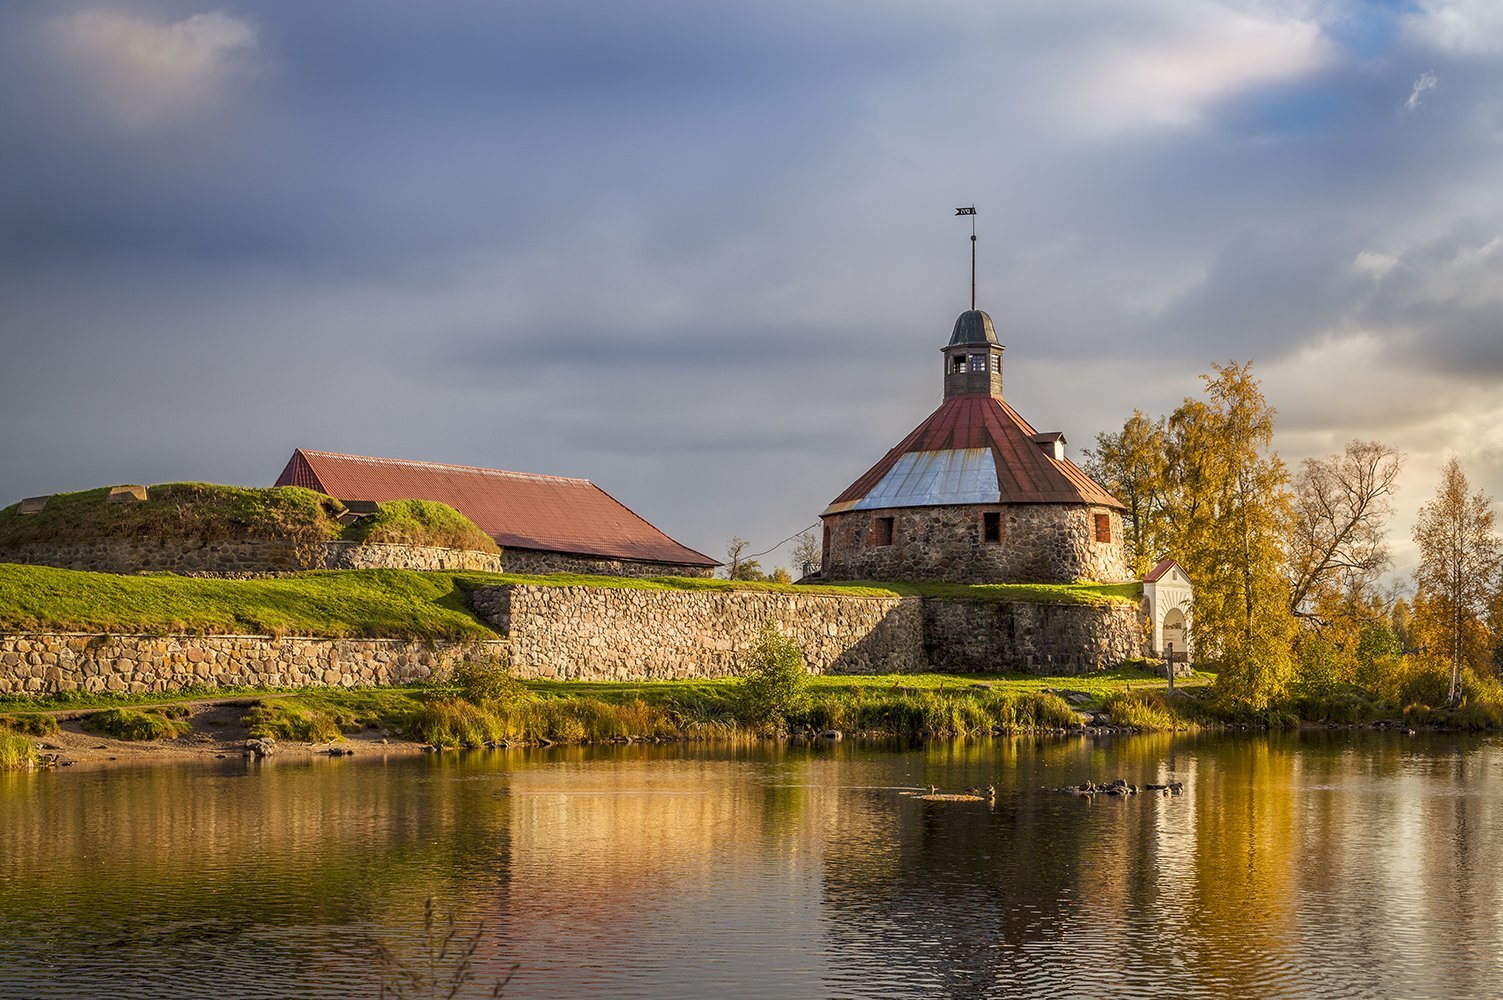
[
  {"x": 241, "y": 557},
  {"x": 47, "y": 662},
  {"x": 598, "y": 633},
  {"x": 595, "y": 633},
  {"x": 972, "y": 636},
  {"x": 535, "y": 561}
]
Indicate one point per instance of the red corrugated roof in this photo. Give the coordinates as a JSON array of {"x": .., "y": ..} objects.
[
  {"x": 1025, "y": 472},
  {"x": 518, "y": 509}
]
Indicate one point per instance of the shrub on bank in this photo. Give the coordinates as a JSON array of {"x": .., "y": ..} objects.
[
  {"x": 487, "y": 682},
  {"x": 29, "y": 724},
  {"x": 1474, "y": 715},
  {"x": 1413, "y": 680},
  {"x": 1342, "y": 707},
  {"x": 776, "y": 684},
  {"x": 166, "y": 723}
]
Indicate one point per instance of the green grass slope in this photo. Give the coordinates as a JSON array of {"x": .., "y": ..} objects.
[
  {"x": 373, "y": 603},
  {"x": 201, "y": 511}
]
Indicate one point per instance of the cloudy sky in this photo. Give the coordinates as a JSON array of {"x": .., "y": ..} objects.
[{"x": 705, "y": 254}]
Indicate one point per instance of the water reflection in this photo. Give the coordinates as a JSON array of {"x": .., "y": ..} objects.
[{"x": 1316, "y": 866}]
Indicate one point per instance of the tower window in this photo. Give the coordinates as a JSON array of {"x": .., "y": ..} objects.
[
  {"x": 978, "y": 362},
  {"x": 882, "y": 531},
  {"x": 1103, "y": 527},
  {"x": 957, "y": 364},
  {"x": 991, "y": 528}
]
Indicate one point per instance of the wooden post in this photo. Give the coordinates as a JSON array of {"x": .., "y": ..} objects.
[{"x": 1169, "y": 662}]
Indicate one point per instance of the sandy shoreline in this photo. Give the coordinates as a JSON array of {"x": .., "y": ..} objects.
[{"x": 218, "y": 734}]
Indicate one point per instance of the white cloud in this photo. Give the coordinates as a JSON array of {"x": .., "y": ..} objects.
[
  {"x": 1167, "y": 74},
  {"x": 1376, "y": 264},
  {"x": 1470, "y": 27},
  {"x": 141, "y": 72},
  {"x": 1425, "y": 82},
  {"x": 1467, "y": 279}
]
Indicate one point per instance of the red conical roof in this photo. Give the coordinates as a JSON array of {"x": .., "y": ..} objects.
[{"x": 973, "y": 449}]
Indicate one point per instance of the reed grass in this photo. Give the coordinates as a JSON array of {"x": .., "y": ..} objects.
[
  {"x": 16, "y": 751},
  {"x": 280, "y": 720},
  {"x": 700, "y": 715},
  {"x": 1152, "y": 711}
]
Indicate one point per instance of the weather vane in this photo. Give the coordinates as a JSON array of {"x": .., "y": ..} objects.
[{"x": 971, "y": 211}]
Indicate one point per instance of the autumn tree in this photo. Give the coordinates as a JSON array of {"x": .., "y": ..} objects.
[
  {"x": 1204, "y": 486},
  {"x": 737, "y": 565},
  {"x": 1456, "y": 576},
  {"x": 1130, "y": 464},
  {"x": 1231, "y": 493},
  {"x": 1338, "y": 542}
]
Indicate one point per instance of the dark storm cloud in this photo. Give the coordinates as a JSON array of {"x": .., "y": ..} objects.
[{"x": 704, "y": 255}]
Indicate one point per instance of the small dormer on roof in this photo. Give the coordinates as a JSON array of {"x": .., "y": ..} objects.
[{"x": 1052, "y": 444}]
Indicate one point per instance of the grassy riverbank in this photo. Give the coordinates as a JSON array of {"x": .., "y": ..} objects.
[{"x": 486, "y": 707}]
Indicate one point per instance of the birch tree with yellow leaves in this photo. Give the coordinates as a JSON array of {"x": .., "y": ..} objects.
[{"x": 1457, "y": 574}]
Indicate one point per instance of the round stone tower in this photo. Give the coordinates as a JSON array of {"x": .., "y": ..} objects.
[{"x": 974, "y": 494}]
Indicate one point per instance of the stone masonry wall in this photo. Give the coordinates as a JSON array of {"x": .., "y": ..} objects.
[
  {"x": 384, "y": 555},
  {"x": 977, "y": 636},
  {"x": 242, "y": 558},
  {"x": 597, "y": 633},
  {"x": 534, "y": 561},
  {"x": 1041, "y": 543},
  {"x": 615, "y": 634},
  {"x": 43, "y": 663}
]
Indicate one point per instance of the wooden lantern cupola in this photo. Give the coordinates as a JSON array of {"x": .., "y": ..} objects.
[{"x": 973, "y": 358}]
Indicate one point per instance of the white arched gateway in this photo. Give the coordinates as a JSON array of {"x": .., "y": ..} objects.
[{"x": 1167, "y": 593}]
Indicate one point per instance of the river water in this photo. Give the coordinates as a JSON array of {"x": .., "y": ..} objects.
[{"x": 1313, "y": 865}]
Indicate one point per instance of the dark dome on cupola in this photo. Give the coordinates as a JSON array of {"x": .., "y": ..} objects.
[{"x": 973, "y": 327}]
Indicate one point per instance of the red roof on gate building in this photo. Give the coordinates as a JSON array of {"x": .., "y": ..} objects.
[{"x": 518, "y": 509}]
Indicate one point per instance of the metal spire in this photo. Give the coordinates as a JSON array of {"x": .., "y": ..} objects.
[{"x": 971, "y": 211}]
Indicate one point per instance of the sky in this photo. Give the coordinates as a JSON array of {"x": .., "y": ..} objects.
[{"x": 706, "y": 254}]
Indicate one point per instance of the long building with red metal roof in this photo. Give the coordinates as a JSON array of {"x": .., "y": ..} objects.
[
  {"x": 974, "y": 493},
  {"x": 542, "y": 523}
]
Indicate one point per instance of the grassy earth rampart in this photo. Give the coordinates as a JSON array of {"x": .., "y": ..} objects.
[
  {"x": 210, "y": 512},
  {"x": 375, "y": 603}
]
